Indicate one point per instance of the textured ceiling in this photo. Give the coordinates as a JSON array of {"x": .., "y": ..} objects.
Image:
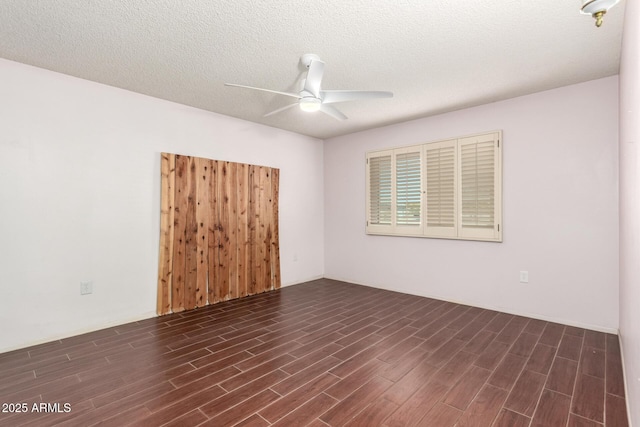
[{"x": 434, "y": 56}]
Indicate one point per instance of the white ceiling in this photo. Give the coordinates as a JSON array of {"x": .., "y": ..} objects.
[{"x": 434, "y": 56}]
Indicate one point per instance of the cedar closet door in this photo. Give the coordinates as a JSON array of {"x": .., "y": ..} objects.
[{"x": 218, "y": 232}]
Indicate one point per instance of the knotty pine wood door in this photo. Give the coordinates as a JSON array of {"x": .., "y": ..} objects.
[{"x": 218, "y": 232}]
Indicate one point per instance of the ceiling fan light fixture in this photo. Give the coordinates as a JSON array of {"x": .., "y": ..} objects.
[
  {"x": 597, "y": 8},
  {"x": 310, "y": 105}
]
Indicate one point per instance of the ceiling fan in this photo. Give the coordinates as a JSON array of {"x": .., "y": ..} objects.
[{"x": 312, "y": 98}]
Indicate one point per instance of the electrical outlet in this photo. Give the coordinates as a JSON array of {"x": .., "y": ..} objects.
[
  {"x": 86, "y": 288},
  {"x": 524, "y": 277}
]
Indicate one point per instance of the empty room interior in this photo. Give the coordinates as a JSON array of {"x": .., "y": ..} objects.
[{"x": 320, "y": 213}]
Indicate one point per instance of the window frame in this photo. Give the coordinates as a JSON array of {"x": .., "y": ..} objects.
[{"x": 457, "y": 232}]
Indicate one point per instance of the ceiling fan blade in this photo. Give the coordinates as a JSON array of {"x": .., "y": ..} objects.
[
  {"x": 331, "y": 96},
  {"x": 333, "y": 112},
  {"x": 294, "y": 95},
  {"x": 286, "y": 107},
  {"x": 314, "y": 77}
]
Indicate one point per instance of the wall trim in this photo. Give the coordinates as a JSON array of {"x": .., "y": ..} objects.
[
  {"x": 298, "y": 282},
  {"x": 151, "y": 314},
  {"x": 624, "y": 378},
  {"x": 111, "y": 324},
  {"x": 566, "y": 322},
  {"x": 82, "y": 331}
]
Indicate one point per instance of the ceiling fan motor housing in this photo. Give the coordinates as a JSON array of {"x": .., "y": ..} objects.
[{"x": 307, "y": 58}]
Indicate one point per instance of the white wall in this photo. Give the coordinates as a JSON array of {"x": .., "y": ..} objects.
[
  {"x": 80, "y": 198},
  {"x": 560, "y": 176},
  {"x": 630, "y": 206}
]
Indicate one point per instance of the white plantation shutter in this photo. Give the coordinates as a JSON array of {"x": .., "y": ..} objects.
[
  {"x": 408, "y": 185},
  {"x": 479, "y": 190},
  {"x": 379, "y": 191},
  {"x": 440, "y": 175},
  {"x": 447, "y": 189}
]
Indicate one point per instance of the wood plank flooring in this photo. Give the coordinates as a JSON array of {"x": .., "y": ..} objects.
[{"x": 323, "y": 353}]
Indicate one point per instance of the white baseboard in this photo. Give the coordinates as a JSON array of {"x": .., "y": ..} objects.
[
  {"x": 496, "y": 308},
  {"x": 110, "y": 324},
  {"x": 626, "y": 383},
  {"x": 81, "y": 331},
  {"x": 303, "y": 281},
  {"x": 149, "y": 315}
]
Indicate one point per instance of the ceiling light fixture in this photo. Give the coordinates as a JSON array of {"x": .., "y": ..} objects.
[
  {"x": 310, "y": 105},
  {"x": 597, "y": 8}
]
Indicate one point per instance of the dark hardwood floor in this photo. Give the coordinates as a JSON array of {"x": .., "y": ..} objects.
[{"x": 317, "y": 354}]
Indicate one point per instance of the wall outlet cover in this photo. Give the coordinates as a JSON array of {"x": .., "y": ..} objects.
[
  {"x": 86, "y": 288},
  {"x": 524, "y": 277}
]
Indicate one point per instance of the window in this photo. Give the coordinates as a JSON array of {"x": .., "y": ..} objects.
[{"x": 447, "y": 189}]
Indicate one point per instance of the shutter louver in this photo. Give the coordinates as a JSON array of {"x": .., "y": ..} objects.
[
  {"x": 477, "y": 165},
  {"x": 408, "y": 189},
  {"x": 380, "y": 190},
  {"x": 441, "y": 187}
]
